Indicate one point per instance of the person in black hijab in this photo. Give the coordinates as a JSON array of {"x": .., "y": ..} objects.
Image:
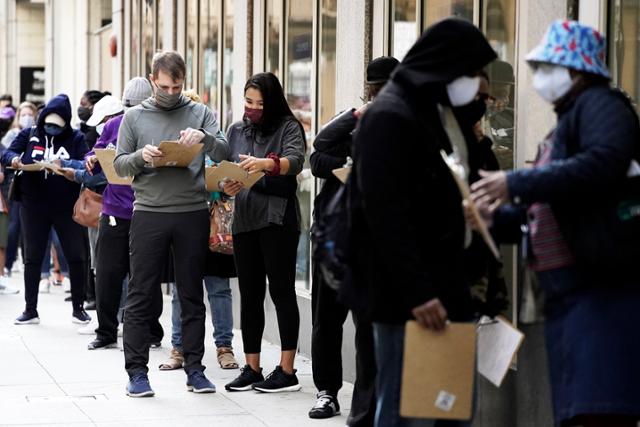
[{"x": 414, "y": 256}]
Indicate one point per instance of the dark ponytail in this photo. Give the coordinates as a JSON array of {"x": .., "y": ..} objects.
[{"x": 93, "y": 96}]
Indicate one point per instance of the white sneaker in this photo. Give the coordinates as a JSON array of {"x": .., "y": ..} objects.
[
  {"x": 45, "y": 286},
  {"x": 88, "y": 329},
  {"x": 66, "y": 285},
  {"x": 7, "y": 290}
]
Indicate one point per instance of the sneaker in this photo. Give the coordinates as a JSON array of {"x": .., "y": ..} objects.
[
  {"x": 45, "y": 286},
  {"x": 99, "y": 344},
  {"x": 81, "y": 317},
  {"x": 198, "y": 383},
  {"x": 27, "y": 318},
  {"x": 245, "y": 380},
  {"x": 326, "y": 406},
  {"x": 88, "y": 329},
  {"x": 278, "y": 381},
  {"x": 139, "y": 386},
  {"x": 5, "y": 289},
  {"x": 90, "y": 305}
]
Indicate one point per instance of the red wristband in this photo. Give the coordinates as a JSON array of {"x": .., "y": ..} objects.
[{"x": 276, "y": 168}]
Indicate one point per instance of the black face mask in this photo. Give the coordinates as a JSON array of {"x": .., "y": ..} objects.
[
  {"x": 471, "y": 113},
  {"x": 84, "y": 113}
]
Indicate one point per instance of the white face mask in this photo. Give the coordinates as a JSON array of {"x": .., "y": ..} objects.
[
  {"x": 463, "y": 90},
  {"x": 26, "y": 122},
  {"x": 552, "y": 82},
  {"x": 100, "y": 128}
]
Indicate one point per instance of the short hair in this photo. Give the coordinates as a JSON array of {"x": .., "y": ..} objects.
[{"x": 170, "y": 63}]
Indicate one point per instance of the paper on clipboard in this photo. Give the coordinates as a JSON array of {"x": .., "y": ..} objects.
[
  {"x": 498, "y": 343},
  {"x": 466, "y": 196},
  {"x": 176, "y": 155},
  {"x": 229, "y": 171},
  {"x": 106, "y": 157},
  {"x": 438, "y": 372},
  {"x": 342, "y": 173}
]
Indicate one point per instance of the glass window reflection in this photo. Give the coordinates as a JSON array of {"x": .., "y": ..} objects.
[
  {"x": 499, "y": 27},
  {"x": 227, "y": 103},
  {"x": 192, "y": 43},
  {"x": 148, "y": 17},
  {"x": 135, "y": 38},
  {"x": 327, "y": 64},
  {"x": 405, "y": 27},
  {"x": 209, "y": 33},
  {"x": 299, "y": 64},
  {"x": 624, "y": 45},
  {"x": 272, "y": 39}
]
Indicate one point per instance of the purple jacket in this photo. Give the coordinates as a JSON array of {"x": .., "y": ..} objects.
[{"x": 117, "y": 200}]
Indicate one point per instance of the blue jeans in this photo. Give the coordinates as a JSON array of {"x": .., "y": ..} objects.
[
  {"x": 219, "y": 294},
  {"x": 46, "y": 262},
  {"x": 389, "y": 349}
]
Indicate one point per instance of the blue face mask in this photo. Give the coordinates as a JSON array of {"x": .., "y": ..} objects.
[{"x": 53, "y": 130}]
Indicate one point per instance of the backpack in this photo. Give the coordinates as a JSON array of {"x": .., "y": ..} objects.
[{"x": 333, "y": 239}]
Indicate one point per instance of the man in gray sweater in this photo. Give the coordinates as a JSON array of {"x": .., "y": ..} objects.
[{"x": 170, "y": 213}]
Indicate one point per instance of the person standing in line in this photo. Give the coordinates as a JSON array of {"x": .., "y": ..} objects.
[
  {"x": 416, "y": 270},
  {"x": 565, "y": 201},
  {"x": 266, "y": 228},
  {"x": 219, "y": 268},
  {"x": 332, "y": 147},
  {"x": 112, "y": 248},
  {"x": 170, "y": 212},
  {"x": 47, "y": 201}
]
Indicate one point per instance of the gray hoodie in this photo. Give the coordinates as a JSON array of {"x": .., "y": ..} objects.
[{"x": 167, "y": 189}]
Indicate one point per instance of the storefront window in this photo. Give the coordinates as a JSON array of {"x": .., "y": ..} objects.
[
  {"x": 227, "y": 94},
  {"x": 209, "y": 33},
  {"x": 624, "y": 45},
  {"x": 148, "y": 48},
  {"x": 327, "y": 64},
  {"x": 160, "y": 25},
  {"x": 272, "y": 39},
  {"x": 436, "y": 10},
  {"x": 298, "y": 68},
  {"x": 405, "y": 27},
  {"x": 192, "y": 44},
  {"x": 499, "y": 26},
  {"x": 135, "y": 38}
]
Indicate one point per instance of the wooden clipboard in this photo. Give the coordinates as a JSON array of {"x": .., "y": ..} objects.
[
  {"x": 229, "y": 171},
  {"x": 176, "y": 155},
  {"x": 498, "y": 344},
  {"x": 106, "y": 157},
  {"x": 466, "y": 197},
  {"x": 342, "y": 173},
  {"x": 438, "y": 372}
]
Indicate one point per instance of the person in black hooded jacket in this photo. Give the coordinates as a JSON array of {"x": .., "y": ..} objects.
[
  {"x": 48, "y": 201},
  {"x": 414, "y": 256},
  {"x": 332, "y": 147}
]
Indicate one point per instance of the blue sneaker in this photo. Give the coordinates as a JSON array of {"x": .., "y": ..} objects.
[
  {"x": 80, "y": 317},
  {"x": 198, "y": 383},
  {"x": 139, "y": 386},
  {"x": 28, "y": 317}
]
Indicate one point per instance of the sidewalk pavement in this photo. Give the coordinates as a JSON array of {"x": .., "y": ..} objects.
[{"x": 48, "y": 377}]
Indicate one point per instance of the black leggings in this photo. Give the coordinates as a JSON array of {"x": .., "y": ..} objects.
[
  {"x": 36, "y": 225},
  {"x": 269, "y": 252}
]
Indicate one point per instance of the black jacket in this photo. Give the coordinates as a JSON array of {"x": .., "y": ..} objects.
[
  {"x": 332, "y": 146},
  {"x": 413, "y": 231}
]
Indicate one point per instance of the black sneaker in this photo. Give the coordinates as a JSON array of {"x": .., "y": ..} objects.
[
  {"x": 99, "y": 344},
  {"x": 81, "y": 317},
  {"x": 245, "y": 380},
  {"x": 326, "y": 406},
  {"x": 28, "y": 317},
  {"x": 278, "y": 381}
]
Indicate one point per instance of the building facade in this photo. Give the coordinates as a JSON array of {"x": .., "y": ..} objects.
[{"x": 319, "y": 49}]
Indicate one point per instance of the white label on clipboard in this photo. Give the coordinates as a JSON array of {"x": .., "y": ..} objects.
[{"x": 445, "y": 401}]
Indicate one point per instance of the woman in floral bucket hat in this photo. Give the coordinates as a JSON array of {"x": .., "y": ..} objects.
[{"x": 581, "y": 204}]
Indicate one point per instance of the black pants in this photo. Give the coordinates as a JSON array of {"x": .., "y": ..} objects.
[
  {"x": 152, "y": 236},
  {"x": 36, "y": 225},
  {"x": 269, "y": 252},
  {"x": 112, "y": 257},
  {"x": 326, "y": 352}
]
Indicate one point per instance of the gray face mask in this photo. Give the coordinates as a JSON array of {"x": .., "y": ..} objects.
[{"x": 165, "y": 100}]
